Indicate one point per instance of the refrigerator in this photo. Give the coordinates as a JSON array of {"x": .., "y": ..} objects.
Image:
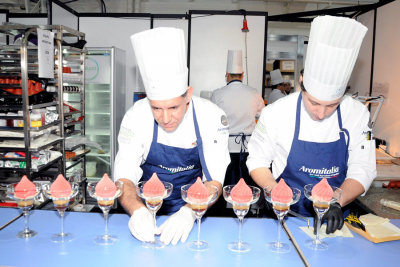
[{"x": 105, "y": 82}]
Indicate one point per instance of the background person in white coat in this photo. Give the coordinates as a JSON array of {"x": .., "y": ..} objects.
[
  {"x": 171, "y": 133},
  {"x": 278, "y": 89},
  {"x": 319, "y": 132},
  {"x": 242, "y": 104}
]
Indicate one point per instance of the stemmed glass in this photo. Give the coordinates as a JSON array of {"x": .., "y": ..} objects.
[
  {"x": 280, "y": 209},
  {"x": 25, "y": 204},
  {"x": 154, "y": 204},
  {"x": 240, "y": 209},
  {"x": 199, "y": 209},
  {"x": 105, "y": 205},
  {"x": 61, "y": 204},
  {"x": 320, "y": 207}
]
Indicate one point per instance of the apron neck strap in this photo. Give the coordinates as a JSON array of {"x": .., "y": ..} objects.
[{"x": 200, "y": 146}]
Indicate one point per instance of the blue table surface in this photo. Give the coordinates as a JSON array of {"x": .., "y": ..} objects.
[
  {"x": 343, "y": 251},
  {"x": 7, "y": 214},
  {"x": 82, "y": 251}
]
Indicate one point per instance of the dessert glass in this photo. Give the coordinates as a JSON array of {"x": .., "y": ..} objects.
[
  {"x": 320, "y": 207},
  {"x": 25, "y": 204},
  {"x": 240, "y": 209},
  {"x": 199, "y": 209},
  {"x": 280, "y": 209},
  {"x": 154, "y": 204},
  {"x": 105, "y": 205},
  {"x": 61, "y": 204}
]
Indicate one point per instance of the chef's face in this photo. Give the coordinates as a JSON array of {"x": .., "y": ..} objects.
[
  {"x": 287, "y": 87},
  {"x": 317, "y": 109},
  {"x": 169, "y": 113}
]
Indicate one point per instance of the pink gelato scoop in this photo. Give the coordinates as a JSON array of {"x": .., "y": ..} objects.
[
  {"x": 60, "y": 188},
  {"x": 106, "y": 187},
  {"x": 25, "y": 188},
  {"x": 198, "y": 192},
  {"x": 153, "y": 187},
  {"x": 282, "y": 193},
  {"x": 322, "y": 191},
  {"x": 241, "y": 192}
]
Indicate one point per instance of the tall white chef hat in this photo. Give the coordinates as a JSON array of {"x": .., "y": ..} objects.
[
  {"x": 160, "y": 54},
  {"x": 276, "y": 77},
  {"x": 332, "y": 52},
  {"x": 286, "y": 79},
  {"x": 234, "y": 63}
]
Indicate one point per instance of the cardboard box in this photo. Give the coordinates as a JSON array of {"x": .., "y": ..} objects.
[
  {"x": 287, "y": 66},
  {"x": 269, "y": 66},
  {"x": 367, "y": 236}
]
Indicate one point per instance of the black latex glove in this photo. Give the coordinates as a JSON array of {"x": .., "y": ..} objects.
[{"x": 334, "y": 217}]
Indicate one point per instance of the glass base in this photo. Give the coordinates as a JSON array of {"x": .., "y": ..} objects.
[
  {"x": 316, "y": 245},
  {"x": 198, "y": 245},
  {"x": 62, "y": 237},
  {"x": 153, "y": 245},
  {"x": 243, "y": 247},
  {"x": 278, "y": 247},
  {"x": 27, "y": 234},
  {"x": 106, "y": 239}
]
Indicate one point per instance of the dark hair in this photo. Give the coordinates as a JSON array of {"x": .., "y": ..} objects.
[
  {"x": 276, "y": 85},
  {"x": 304, "y": 89},
  {"x": 184, "y": 94},
  {"x": 235, "y": 76},
  {"x": 302, "y": 72}
]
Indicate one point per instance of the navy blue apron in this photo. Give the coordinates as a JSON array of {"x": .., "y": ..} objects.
[
  {"x": 309, "y": 162},
  {"x": 239, "y": 139},
  {"x": 179, "y": 166}
]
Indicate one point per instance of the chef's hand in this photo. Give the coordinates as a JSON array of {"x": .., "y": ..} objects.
[
  {"x": 177, "y": 226},
  {"x": 141, "y": 225},
  {"x": 334, "y": 218}
]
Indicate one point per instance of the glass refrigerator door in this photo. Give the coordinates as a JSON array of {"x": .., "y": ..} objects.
[{"x": 98, "y": 112}]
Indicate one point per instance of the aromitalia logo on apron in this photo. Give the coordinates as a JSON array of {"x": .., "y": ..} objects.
[
  {"x": 177, "y": 169},
  {"x": 321, "y": 173}
]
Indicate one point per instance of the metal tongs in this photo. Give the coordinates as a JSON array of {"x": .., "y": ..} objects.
[{"x": 300, "y": 216}]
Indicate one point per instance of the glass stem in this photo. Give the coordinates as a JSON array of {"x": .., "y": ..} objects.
[
  {"x": 317, "y": 241},
  {"x": 62, "y": 222},
  {"x": 240, "y": 231},
  {"x": 106, "y": 222},
  {"x": 198, "y": 232},
  {"x": 278, "y": 242},
  {"x": 154, "y": 219},
  {"x": 26, "y": 228}
]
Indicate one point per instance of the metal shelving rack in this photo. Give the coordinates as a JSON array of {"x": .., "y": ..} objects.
[{"x": 26, "y": 55}]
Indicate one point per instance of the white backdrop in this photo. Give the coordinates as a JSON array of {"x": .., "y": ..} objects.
[
  {"x": 60, "y": 16},
  {"x": 107, "y": 32},
  {"x": 175, "y": 23},
  {"x": 212, "y": 37}
]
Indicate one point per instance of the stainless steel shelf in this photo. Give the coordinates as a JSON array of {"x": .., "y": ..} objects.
[
  {"x": 12, "y": 159},
  {"x": 72, "y": 123},
  {"x": 20, "y": 29},
  {"x": 73, "y": 134},
  {"x": 74, "y": 147},
  {"x": 72, "y": 50},
  {"x": 46, "y": 126},
  {"x": 46, "y": 145},
  {"x": 54, "y": 103},
  {"x": 72, "y": 113},
  {"x": 73, "y": 165},
  {"x": 41, "y": 167},
  {"x": 78, "y": 156}
]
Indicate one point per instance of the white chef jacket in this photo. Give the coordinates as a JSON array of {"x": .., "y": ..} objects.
[
  {"x": 273, "y": 136},
  {"x": 275, "y": 95},
  {"x": 241, "y": 104},
  {"x": 136, "y": 135}
]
